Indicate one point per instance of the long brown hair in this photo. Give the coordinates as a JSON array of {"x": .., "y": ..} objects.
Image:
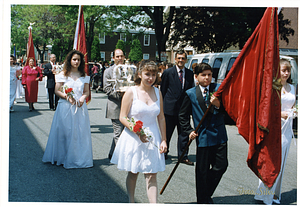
[
  {"x": 68, "y": 67},
  {"x": 148, "y": 66}
]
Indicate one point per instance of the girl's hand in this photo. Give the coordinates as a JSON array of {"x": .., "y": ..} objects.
[
  {"x": 37, "y": 79},
  {"x": 24, "y": 86},
  {"x": 80, "y": 102},
  {"x": 163, "y": 146},
  {"x": 71, "y": 100},
  {"x": 143, "y": 138},
  {"x": 284, "y": 115}
]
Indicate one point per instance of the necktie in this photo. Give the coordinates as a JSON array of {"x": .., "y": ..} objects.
[
  {"x": 206, "y": 97},
  {"x": 181, "y": 77}
]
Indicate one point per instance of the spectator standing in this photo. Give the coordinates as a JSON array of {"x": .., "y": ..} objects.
[
  {"x": 50, "y": 71},
  {"x": 174, "y": 82}
]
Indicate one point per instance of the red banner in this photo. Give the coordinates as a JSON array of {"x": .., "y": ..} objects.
[
  {"x": 252, "y": 100},
  {"x": 80, "y": 44},
  {"x": 30, "y": 49}
]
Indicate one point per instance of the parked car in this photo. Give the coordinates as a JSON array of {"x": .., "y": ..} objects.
[{"x": 221, "y": 64}]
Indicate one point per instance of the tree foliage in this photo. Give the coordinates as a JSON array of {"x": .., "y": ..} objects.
[
  {"x": 121, "y": 45},
  {"x": 215, "y": 29},
  {"x": 50, "y": 26},
  {"x": 95, "y": 51},
  {"x": 147, "y": 17},
  {"x": 136, "y": 53}
]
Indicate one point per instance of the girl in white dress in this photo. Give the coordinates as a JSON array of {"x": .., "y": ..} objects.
[
  {"x": 135, "y": 152},
  {"x": 273, "y": 194},
  {"x": 69, "y": 141},
  {"x": 14, "y": 73}
]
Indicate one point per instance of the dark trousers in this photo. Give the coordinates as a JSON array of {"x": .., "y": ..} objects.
[
  {"x": 51, "y": 93},
  {"x": 211, "y": 164},
  {"x": 183, "y": 139}
]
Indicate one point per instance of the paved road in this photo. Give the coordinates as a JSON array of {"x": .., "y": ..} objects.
[{"x": 31, "y": 180}]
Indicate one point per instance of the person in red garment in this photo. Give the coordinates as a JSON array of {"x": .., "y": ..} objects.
[{"x": 30, "y": 76}]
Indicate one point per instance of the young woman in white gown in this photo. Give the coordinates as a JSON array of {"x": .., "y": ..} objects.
[
  {"x": 273, "y": 194},
  {"x": 134, "y": 152},
  {"x": 14, "y": 73},
  {"x": 69, "y": 143}
]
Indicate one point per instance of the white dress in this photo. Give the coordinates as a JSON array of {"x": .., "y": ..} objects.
[
  {"x": 264, "y": 193},
  {"x": 13, "y": 84},
  {"x": 131, "y": 154},
  {"x": 69, "y": 141}
]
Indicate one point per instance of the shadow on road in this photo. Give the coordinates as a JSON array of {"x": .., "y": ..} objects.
[{"x": 31, "y": 180}]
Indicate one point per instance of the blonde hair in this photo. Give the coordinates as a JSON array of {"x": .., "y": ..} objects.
[{"x": 289, "y": 67}]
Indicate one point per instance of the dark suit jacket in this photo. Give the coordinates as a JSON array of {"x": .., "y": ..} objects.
[
  {"x": 172, "y": 91},
  {"x": 212, "y": 131},
  {"x": 50, "y": 75}
]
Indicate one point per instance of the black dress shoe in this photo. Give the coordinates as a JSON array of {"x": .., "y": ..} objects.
[
  {"x": 187, "y": 161},
  {"x": 210, "y": 201},
  {"x": 52, "y": 109}
]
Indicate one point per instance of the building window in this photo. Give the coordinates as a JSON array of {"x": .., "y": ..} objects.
[
  {"x": 146, "y": 56},
  {"x": 146, "y": 40},
  {"x": 102, "y": 56},
  {"x": 102, "y": 38},
  {"x": 123, "y": 37}
]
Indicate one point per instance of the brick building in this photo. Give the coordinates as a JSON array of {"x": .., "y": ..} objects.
[{"x": 147, "y": 39}]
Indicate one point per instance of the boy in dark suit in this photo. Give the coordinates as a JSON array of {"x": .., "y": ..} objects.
[{"x": 211, "y": 158}]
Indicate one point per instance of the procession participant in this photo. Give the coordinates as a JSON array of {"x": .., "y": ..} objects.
[
  {"x": 114, "y": 99},
  {"x": 288, "y": 98},
  {"x": 140, "y": 150},
  {"x": 211, "y": 157},
  {"x": 30, "y": 76},
  {"x": 14, "y": 74},
  {"x": 70, "y": 142},
  {"x": 49, "y": 71}
]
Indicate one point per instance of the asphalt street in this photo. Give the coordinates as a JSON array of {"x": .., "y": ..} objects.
[{"x": 31, "y": 180}]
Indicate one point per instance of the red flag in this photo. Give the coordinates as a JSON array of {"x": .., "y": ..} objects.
[
  {"x": 251, "y": 99},
  {"x": 80, "y": 44},
  {"x": 30, "y": 49}
]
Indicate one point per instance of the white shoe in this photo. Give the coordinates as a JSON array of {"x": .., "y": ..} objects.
[
  {"x": 12, "y": 109},
  {"x": 276, "y": 200}
]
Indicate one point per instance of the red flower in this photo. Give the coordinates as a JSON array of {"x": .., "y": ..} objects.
[
  {"x": 138, "y": 126},
  {"x": 68, "y": 90}
]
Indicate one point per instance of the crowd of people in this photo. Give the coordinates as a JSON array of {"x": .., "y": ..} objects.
[{"x": 144, "y": 118}]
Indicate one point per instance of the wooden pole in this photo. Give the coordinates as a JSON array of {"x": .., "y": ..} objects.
[{"x": 184, "y": 151}]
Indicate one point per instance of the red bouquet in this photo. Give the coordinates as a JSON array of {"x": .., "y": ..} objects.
[
  {"x": 68, "y": 91},
  {"x": 138, "y": 127}
]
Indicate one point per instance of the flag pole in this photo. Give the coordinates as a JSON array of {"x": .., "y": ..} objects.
[{"x": 184, "y": 151}]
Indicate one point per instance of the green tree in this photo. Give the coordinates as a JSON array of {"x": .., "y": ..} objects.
[
  {"x": 136, "y": 53},
  {"x": 50, "y": 26},
  {"x": 148, "y": 17},
  {"x": 121, "y": 45},
  {"x": 95, "y": 51},
  {"x": 214, "y": 29}
]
